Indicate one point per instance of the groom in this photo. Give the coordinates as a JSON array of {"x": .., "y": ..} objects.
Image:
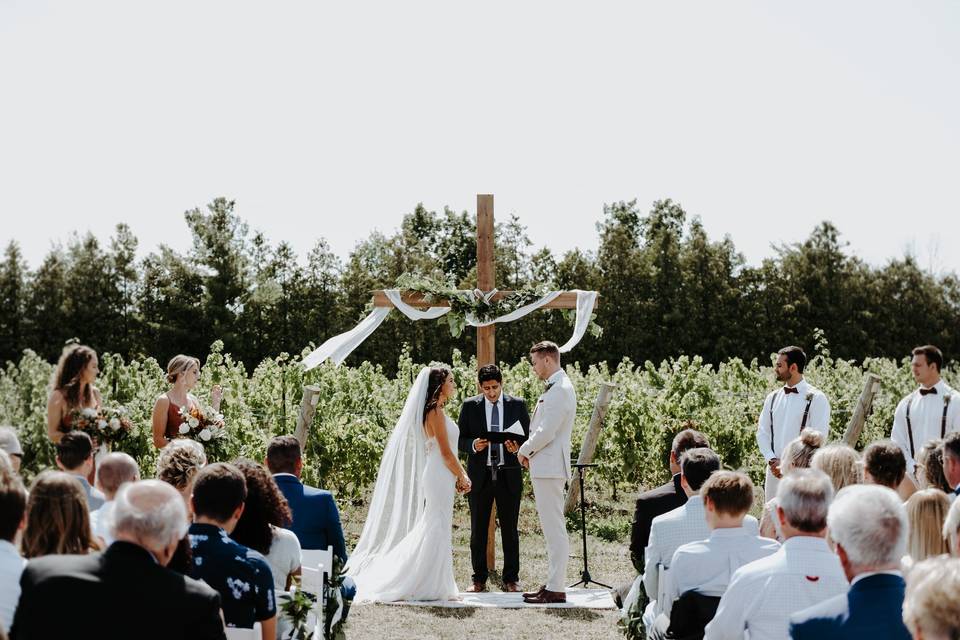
[
  {"x": 495, "y": 473},
  {"x": 547, "y": 455}
]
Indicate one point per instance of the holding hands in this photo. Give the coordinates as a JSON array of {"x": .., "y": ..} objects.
[{"x": 463, "y": 484}]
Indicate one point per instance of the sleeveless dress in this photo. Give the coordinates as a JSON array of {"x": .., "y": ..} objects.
[
  {"x": 420, "y": 567},
  {"x": 173, "y": 420}
]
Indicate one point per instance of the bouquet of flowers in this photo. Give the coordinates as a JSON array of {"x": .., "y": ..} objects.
[
  {"x": 106, "y": 425},
  {"x": 202, "y": 423}
]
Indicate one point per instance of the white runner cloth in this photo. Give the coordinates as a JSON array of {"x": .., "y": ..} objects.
[{"x": 339, "y": 347}]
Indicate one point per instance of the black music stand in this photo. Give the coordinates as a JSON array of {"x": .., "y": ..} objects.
[{"x": 585, "y": 578}]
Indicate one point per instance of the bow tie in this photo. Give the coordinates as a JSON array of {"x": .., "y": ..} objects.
[
  {"x": 790, "y": 390},
  {"x": 925, "y": 392}
]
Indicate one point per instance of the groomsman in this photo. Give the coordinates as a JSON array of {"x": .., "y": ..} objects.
[
  {"x": 495, "y": 474},
  {"x": 928, "y": 412},
  {"x": 795, "y": 406}
]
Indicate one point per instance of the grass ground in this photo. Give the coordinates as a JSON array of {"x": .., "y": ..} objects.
[{"x": 609, "y": 563}]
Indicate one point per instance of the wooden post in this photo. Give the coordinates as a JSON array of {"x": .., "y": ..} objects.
[
  {"x": 590, "y": 441},
  {"x": 486, "y": 336},
  {"x": 308, "y": 407},
  {"x": 870, "y": 387}
]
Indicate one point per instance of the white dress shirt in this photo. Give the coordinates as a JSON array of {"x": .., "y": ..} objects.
[
  {"x": 706, "y": 566},
  {"x": 788, "y": 409},
  {"x": 100, "y": 521},
  {"x": 926, "y": 415},
  {"x": 668, "y": 532},
  {"x": 11, "y": 567},
  {"x": 763, "y": 594},
  {"x": 488, "y": 407}
]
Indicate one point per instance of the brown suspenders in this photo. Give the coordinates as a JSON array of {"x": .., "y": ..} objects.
[
  {"x": 803, "y": 422},
  {"x": 943, "y": 420}
]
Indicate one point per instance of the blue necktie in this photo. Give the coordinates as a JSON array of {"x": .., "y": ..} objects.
[{"x": 496, "y": 451}]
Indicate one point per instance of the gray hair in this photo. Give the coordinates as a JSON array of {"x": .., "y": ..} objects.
[
  {"x": 116, "y": 468},
  {"x": 951, "y": 527},
  {"x": 870, "y": 523},
  {"x": 805, "y": 495},
  {"x": 930, "y": 604},
  {"x": 151, "y": 511}
]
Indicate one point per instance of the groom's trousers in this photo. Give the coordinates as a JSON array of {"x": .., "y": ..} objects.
[
  {"x": 507, "y": 496},
  {"x": 549, "y": 496}
]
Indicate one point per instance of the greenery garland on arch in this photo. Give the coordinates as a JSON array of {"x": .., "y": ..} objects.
[{"x": 478, "y": 303}]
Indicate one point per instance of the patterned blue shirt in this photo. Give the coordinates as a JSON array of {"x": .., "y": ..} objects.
[{"x": 241, "y": 575}]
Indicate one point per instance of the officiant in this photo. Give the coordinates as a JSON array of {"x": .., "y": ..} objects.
[{"x": 495, "y": 473}]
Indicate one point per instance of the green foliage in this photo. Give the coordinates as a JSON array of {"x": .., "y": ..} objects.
[{"x": 358, "y": 406}]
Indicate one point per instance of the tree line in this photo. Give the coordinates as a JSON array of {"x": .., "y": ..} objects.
[{"x": 666, "y": 289}]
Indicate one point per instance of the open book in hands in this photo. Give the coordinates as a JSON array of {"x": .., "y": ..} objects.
[{"x": 514, "y": 432}]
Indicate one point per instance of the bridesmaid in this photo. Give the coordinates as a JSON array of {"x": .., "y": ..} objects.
[
  {"x": 183, "y": 372},
  {"x": 73, "y": 388}
]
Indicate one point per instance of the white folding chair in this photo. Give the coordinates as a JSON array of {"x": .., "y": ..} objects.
[
  {"x": 314, "y": 557},
  {"x": 234, "y": 633}
]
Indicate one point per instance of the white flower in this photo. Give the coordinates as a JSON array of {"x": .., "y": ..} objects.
[
  {"x": 205, "y": 435},
  {"x": 115, "y": 424},
  {"x": 101, "y": 424},
  {"x": 184, "y": 429},
  {"x": 89, "y": 413},
  {"x": 194, "y": 422},
  {"x": 218, "y": 417}
]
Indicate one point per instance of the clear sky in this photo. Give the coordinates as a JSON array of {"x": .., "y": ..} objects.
[{"x": 334, "y": 119}]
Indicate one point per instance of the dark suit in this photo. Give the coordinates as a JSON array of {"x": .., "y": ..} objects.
[
  {"x": 120, "y": 593},
  {"x": 506, "y": 490},
  {"x": 316, "y": 519},
  {"x": 872, "y": 608},
  {"x": 651, "y": 504}
]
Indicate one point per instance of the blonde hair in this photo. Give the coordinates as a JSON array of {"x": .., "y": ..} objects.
[
  {"x": 799, "y": 451},
  {"x": 841, "y": 462},
  {"x": 930, "y": 604},
  {"x": 179, "y": 462},
  {"x": 926, "y": 512},
  {"x": 58, "y": 519},
  {"x": 178, "y": 364}
]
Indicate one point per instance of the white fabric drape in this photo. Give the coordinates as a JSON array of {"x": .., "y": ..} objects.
[{"x": 339, "y": 347}]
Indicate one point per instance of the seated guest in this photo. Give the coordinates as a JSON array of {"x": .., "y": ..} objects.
[
  {"x": 763, "y": 594},
  {"x": 798, "y": 454},
  {"x": 260, "y": 526},
  {"x": 57, "y": 518},
  {"x": 931, "y": 608},
  {"x": 13, "y": 508},
  {"x": 951, "y": 528},
  {"x": 884, "y": 464},
  {"x": 316, "y": 519},
  {"x": 868, "y": 526},
  {"x": 680, "y": 526},
  {"x": 10, "y": 444},
  {"x": 951, "y": 461},
  {"x": 929, "y": 468},
  {"x": 664, "y": 498},
  {"x": 242, "y": 576},
  {"x": 114, "y": 470},
  {"x": 926, "y": 513},
  {"x": 178, "y": 464},
  {"x": 75, "y": 456},
  {"x": 126, "y": 591},
  {"x": 841, "y": 462},
  {"x": 706, "y": 566}
]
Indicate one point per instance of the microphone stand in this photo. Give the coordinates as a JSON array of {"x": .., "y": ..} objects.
[{"x": 585, "y": 578}]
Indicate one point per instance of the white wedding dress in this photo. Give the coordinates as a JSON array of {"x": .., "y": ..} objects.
[{"x": 417, "y": 564}]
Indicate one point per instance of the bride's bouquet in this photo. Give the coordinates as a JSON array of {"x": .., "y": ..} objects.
[
  {"x": 106, "y": 425},
  {"x": 202, "y": 423}
]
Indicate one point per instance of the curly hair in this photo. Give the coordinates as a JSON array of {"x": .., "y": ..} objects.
[
  {"x": 179, "y": 462},
  {"x": 265, "y": 506},
  {"x": 438, "y": 376},
  {"x": 58, "y": 520}
]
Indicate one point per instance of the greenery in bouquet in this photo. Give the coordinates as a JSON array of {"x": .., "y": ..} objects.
[
  {"x": 106, "y": 425},
  {"x": 205, "y": 425}
]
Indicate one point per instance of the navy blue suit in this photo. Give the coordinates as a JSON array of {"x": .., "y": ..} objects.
[
  {"x": 872, "y": 608},
  {"x": 316, "y": 519}
]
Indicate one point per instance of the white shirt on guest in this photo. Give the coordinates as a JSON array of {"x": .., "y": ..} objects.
[
  {"x": 100, "y": 522},
  {"x": 11, "y": 567},
  {"x": 284, "y": 556},
  {"x": 788, "y": 409},
  {"x": 926, "y": 418},
  {"x": 706, "y": 566},
  {"x": 763, "y": 594},
  {"x": 686, "y": 523}
]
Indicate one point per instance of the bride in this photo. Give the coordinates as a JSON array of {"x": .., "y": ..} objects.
[{"x": 405, "y": 551}]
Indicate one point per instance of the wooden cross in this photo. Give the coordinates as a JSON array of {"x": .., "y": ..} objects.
[{"x": 486, "y": 336}]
